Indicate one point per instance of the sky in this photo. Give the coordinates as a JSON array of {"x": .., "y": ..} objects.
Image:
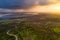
[
  {"x": 13, "y": 4},
  {"x": 30, "y": 5},
  {"x": 16, "y": 4}
]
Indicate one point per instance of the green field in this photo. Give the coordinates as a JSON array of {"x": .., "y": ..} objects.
[{"x": 37, "y": 27}]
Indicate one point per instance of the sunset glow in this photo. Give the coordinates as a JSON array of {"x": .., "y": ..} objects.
[{"x": 53, "y": 8}]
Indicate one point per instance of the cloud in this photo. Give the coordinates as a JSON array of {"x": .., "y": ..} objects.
[
  {"x": 53, "y": 1},
  {"x": 50, "y": 9},
  {"x": 16, "y": 4},
  {"x": 30, "y": 6}
]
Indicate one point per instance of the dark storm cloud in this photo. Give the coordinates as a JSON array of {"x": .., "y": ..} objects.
[{"x": 13, "y": 4}]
